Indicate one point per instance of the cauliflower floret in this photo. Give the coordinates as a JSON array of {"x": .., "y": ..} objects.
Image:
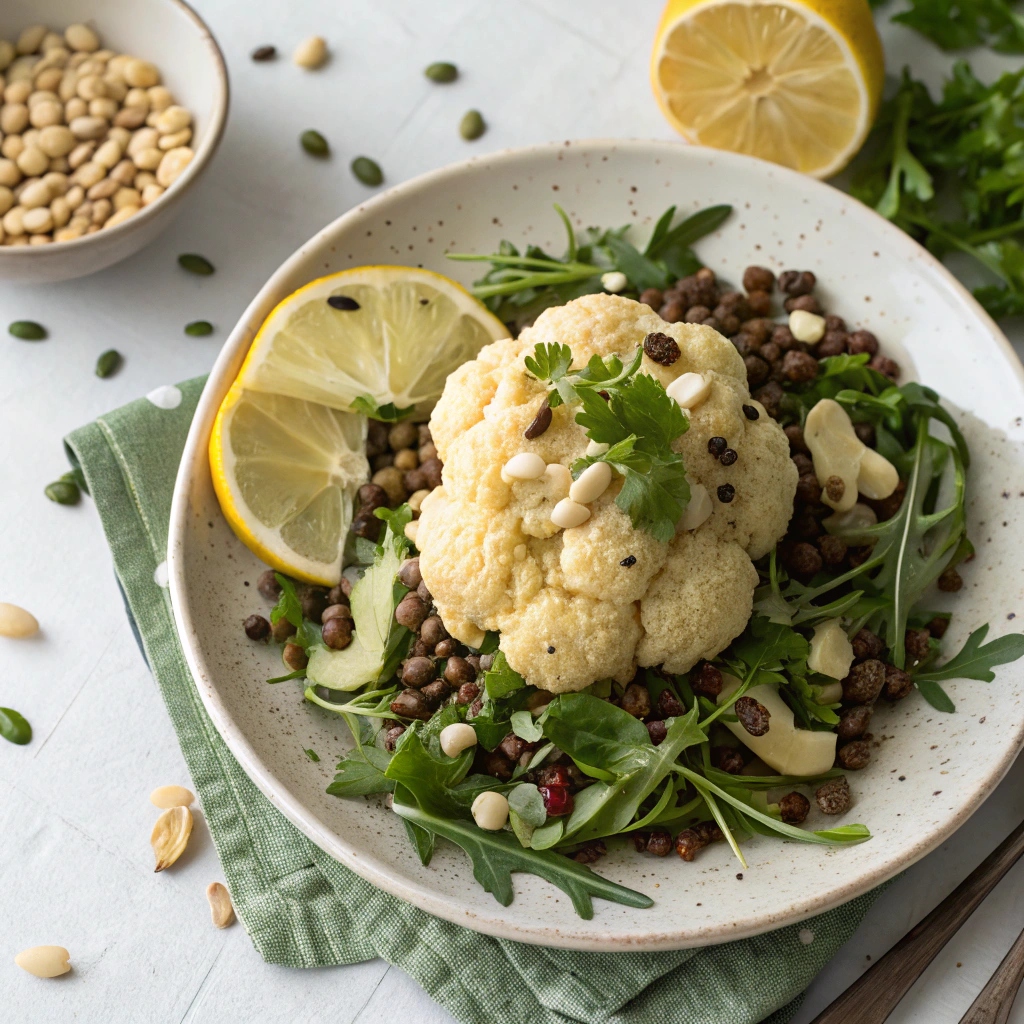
[{"x": 577, "y": 605}]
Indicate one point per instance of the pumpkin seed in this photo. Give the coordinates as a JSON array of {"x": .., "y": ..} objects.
[
  {"x": 64, "y": 492},
  {"x": 108, "y": 363},
  {"x": 367, "y": 171},
  {"x": 314, "y": 143},
  {"x": 170, "y": 836},
  {"x": 472, "y": 125},
  {"x": 220, "y": 904},
  {"x": 199, "y": 328},
  {"x": 13, "y": 727},
  {"x": 442, "y": 71},
  {"x": 195, "y": 264},
  {"x": 44, "y": 961},
  {"x": 27, "y": 330},
  {"x": 76, "y": 477}
]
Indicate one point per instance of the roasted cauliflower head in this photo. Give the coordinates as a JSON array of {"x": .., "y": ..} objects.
[{"x": 595, "y": 601}]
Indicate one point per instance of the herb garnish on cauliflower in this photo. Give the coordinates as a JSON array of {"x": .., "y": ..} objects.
[{"x": 577, "y": 605}]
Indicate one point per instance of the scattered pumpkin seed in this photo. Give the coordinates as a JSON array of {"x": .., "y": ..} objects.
[
  {"x": 262, "y": 53},
  {"x": 108, "y": 363},
  {"x": 14, "y": 728},
  {"x": 195, "y": 264},
  {"x": 367, "y": 171},
  {"x": 220, "y": 904},
  {"x": 312, "y": 755},
  {"x": 472, "y": 125},
  {"x": 27, "y": 330},
  {"x": 64, "y": 492},
  {"x": 76, "y": 477},
  {"x": 44, "y": 961},
  {"x": 442, "y": 71},
  {"x": 170, "y": 836},
  {"x": 314, "y": 143},
  {"x": 199, "y": 328}
]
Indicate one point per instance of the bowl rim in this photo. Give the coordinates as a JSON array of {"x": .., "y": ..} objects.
[
  {"x": 194, "y": 462},
  {"x": 218, "y": 123}
]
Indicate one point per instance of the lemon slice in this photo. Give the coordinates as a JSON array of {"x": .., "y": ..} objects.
[
  {"x": 406, "y": 330},
  {"x": 287, "y": 454},
  {"x": 797, "y": 82},
  {"x": 285, "y": 472}
]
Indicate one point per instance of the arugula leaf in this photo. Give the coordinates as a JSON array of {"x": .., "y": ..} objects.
[
  {"x": 361, "y": 772},
  {"x": 593, "y": 731},
  {"x": 936, "y": 696},
  {"x": 495, "y": 855},
  {"x": 976, "y": 659},
  {"x": 426, "y": 772},
  {"x": 288, "y": 605},
  {"x": 387, "y": 413},
  {"x": 14, "y": 728},
  {"x": 422, "y": 841},
  {"x": 368, "y": 704}
]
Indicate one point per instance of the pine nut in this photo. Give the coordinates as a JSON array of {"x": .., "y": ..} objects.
[
  {"x": 221, "y": 910},
  {"x": 311, "y": 53},
  {"x": 490, "y": 810},
  {"x": 15, "y": 621},
  {"x": 688, "y": 390},
  {"x": 456, "y": 738},
  {"x": 591, "y": 483},
  {"x": 524, "y": 466},
  {"x": 44, "y": 961},
  {"x": 165, "y": 797},
  {"x": 568, "y": 514},
  {"x": 558, "y": 479},
  {"x": 806, "y": 327},
  {"x": 698, "y": 511},
  {"x": 614, "y": 281}
]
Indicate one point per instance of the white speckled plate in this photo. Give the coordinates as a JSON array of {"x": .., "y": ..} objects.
[{"x": 929, "y": 771}]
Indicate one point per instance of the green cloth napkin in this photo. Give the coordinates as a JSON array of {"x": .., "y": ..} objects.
[{"x": 303, "y": 909}]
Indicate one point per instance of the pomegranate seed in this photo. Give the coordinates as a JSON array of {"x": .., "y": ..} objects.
[
  {"x": 557, "y": 800},
  {"x": 554, "y": 775}
]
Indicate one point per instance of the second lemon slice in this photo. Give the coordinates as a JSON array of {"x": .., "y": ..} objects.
[
  {"x": 393, "y": 333},
  {"x": 796, "y": 82}
]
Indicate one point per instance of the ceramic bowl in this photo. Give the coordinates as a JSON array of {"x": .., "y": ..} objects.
[
  {"x": 174, "y": 38},
  {"x": 929, "y": 771}
]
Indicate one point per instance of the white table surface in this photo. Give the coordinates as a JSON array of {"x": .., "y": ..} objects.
[{"x": 75, "y": 862}]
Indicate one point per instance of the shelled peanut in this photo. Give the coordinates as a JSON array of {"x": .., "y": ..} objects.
[{"x": 88, "y": 137}]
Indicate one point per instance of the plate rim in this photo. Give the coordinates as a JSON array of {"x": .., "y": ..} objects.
[{"x": 194, "y": 461}]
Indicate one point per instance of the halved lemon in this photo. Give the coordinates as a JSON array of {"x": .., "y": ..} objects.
[
  {"x": 397, "y": 335},
  {"x": 797, "y": 82},
  {"x": 286, "y": 453}
]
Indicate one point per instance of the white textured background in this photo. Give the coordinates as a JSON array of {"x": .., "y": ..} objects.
[{"x": 75, "y": 863}]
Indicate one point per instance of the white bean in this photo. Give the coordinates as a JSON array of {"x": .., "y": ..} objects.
[
  {"x": 35, "y": 194},
  {"x": 38, "y": 220},
  {"x": 13, "y": 226},
  {"x": 7, "y": 53},
  {"x": 151, "y": 193},
  {"x": 311, "y": 53},
  {"x": 126, "y": 197},
  {"x": 9, "y": 173},
  {"x": 88, "y": 127},
  {"x": 13, "y": 118},
  {"x": 182, "y": 138},
  {"x": 46, "y": 113},
  {"x": 6, "y": 199},
  {"x": 18, "y": 92},
  {"x": 568, "y": 513},
  {"x": 172, "y": 120},
  {"x": 31, "y": 38},
  {"x": 141, "y": 74},
  {"x": 89, "y": 174},
  {"x": 160, "y": 97},
  {"x": 806, "y": 327},
  {"x": 591, "y": 483},
  {"x": 456, "y": 738},
  {"x": 147, "y": 159},
  {"x": 15, "y": 621},
  {"x": 108, "y": 154},
  {"x": 74, "y": 108},
  {"x": 524, "y": 466},
  {"x": 490, "y": 810},
  {"x": 60, "y": 211},
  {"x": 56, "y": 140},
  {"x": 33, "y": 161},
  {"x": 688, "y": 390}
]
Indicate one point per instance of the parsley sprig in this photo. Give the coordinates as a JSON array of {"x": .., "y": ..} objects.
[
  {"x": 631, "y": 413},
  {"x": 951, "y": 174}
]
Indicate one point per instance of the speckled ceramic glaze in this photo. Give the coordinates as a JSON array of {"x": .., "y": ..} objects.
[{"x": 929, "y": 770}]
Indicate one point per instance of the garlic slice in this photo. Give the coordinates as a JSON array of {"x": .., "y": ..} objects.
[{"x": 831, "y": 650}]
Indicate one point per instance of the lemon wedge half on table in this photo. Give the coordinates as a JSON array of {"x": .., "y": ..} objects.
[
  {"x": 287, "y": 454},
  {"x": 797, "y": 82}
]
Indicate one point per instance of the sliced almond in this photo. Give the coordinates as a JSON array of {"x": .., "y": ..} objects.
[
  {"x": 220, "y": 904},
  {"x": 44, "y": 961},
  {"x": 170, "y": 836},
  {"x": 171, "y": 796}
]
